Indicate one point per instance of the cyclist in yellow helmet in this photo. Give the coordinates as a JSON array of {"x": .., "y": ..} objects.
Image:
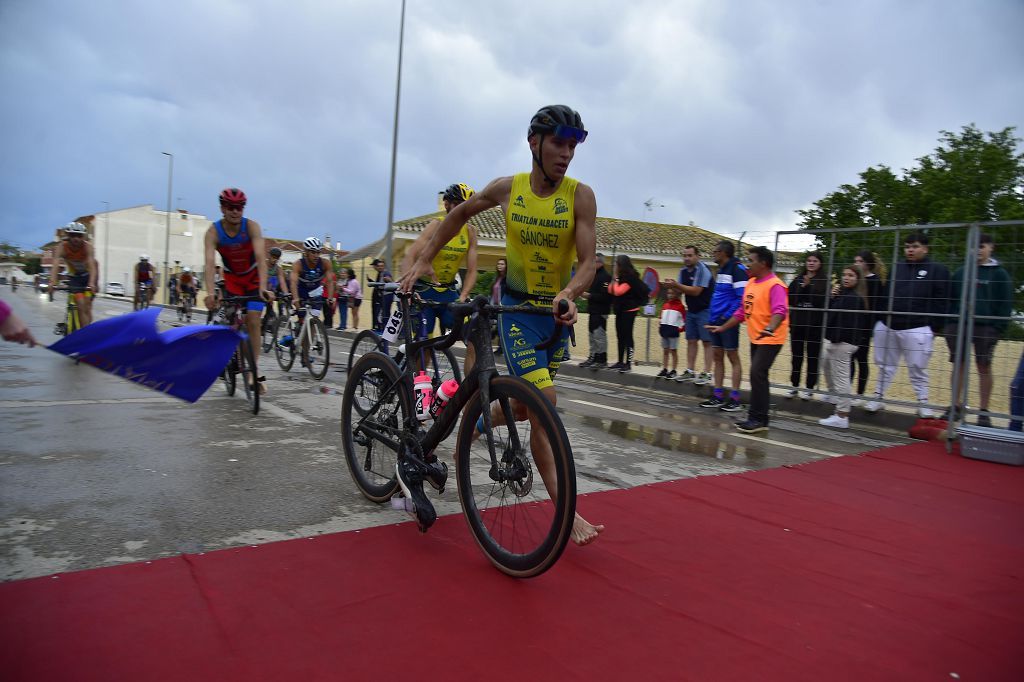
[{"x": 441, "y": 288}]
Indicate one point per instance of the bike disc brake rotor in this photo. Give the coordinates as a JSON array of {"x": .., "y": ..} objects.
[{"x": 518, "y": 471}]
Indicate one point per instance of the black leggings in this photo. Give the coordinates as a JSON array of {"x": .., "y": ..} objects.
[
  {"x": 805, "y": 339},
  {"x": 860, "y": 362},
  {"x": 624, "y": 333}
]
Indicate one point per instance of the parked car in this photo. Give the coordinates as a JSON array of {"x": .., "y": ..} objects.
[{"x": 115, "y": 289}]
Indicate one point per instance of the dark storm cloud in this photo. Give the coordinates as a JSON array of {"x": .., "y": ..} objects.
[{"x": 731, "y": 114}]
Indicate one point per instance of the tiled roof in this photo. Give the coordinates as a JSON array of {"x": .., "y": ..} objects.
[{"x": 632, "y": 236}]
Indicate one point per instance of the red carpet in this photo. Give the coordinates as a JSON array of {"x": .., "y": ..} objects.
[{"x": 905, "y": 564}]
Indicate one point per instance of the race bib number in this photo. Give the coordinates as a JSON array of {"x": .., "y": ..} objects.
[{"x": 393, "y": 326}]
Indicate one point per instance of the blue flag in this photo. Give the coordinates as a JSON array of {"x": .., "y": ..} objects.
[{"x": 182, "y": 362}]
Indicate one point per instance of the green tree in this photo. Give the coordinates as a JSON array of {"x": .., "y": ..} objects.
[{"x": 972, "y": 176}]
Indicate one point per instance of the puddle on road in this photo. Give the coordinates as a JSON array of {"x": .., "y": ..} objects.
[{"x": 690, "y": 443}]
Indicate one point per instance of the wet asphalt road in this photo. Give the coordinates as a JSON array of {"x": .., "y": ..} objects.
[{"x": 96, "y": 471}]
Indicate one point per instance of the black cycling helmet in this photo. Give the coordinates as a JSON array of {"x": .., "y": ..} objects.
[
  {"x": 549, "y": 119},
  {"x": 275, "y": 252},
  {"x": 558, "y": 120}
]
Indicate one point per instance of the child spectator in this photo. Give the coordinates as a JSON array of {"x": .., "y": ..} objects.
[
  {"x": 846, "y": 328},
  {"x": 673, "y": 321}
]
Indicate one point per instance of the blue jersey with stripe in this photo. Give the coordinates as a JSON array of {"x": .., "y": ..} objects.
[{"x": 730, "y": 282}]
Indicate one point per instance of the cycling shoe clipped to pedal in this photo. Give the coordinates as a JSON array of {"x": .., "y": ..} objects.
[{"x": 410, "y": 479}]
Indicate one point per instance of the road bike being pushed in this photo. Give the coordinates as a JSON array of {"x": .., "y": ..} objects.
[
  {"x": 515, "y": 476},
  {"x": 232, "y": 313},
  {"x": 305, "y": 335}
]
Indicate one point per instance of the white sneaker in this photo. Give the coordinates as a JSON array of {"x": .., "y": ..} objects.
[
  {"x": 703, "y": 379},
  {"x": 835, "y": 421},
  {"x": 925, "y": 412},
  {"x": 792, "y": 393},
  {"x": 874, "y": 406},
  {"x": 806, "y": 395},
  {"x": 856, "y": 402}
]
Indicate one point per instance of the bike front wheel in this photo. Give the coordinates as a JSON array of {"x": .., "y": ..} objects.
[
  {"x": 317, "y": 349},
  {"x": 374, "y": 409},
  {"x": 521, "y": 511},
  {"x": 230, "y": 374},
  {"x": 365, "y": 342},
  {"x": 285, "y": 354},
  {"x": 247, "y": 370}
]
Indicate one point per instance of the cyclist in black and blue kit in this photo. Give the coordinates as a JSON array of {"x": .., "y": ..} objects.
[{"x": 311, "y": 274}]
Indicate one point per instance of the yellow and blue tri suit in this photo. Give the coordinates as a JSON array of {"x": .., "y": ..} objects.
[
  {"x": 446, "y": 265},
  {"x": 541, "y": 249}
]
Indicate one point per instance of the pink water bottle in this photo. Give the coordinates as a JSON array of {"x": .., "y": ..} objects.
[
  {"x": 444, "y": 393},
  {"x": 424, "y": 391}
]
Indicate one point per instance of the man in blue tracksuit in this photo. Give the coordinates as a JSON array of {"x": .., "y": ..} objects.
[{"x": 730, "y": 282}]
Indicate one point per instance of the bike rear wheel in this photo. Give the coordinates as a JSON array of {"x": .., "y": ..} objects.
[
  {"x": 286, "y": 354},
  {"x": 374, "y": 408},
  {"x": 523, "y": 520},
  {"x": 317, "y": 349},
  {"x": 268, "y": 327},
  {"x": 230, "y": 374},
  {"x": 247, "y": 371},
  {"x": 365, "y": 342}
]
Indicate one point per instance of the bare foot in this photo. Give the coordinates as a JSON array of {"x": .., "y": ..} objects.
[{"x": 584, "y": 532}]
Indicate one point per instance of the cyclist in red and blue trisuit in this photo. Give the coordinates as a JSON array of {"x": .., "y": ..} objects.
[{"x": 239, "y": 241}]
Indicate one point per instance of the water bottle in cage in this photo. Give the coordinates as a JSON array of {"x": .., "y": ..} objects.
[
  {"x": 393, "y": 326},
  {"x": 423, "y": 390},
  {"x": 444, "y": 393}
]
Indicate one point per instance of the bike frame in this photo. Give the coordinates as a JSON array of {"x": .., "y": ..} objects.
[{"x": 479, "y": 379}]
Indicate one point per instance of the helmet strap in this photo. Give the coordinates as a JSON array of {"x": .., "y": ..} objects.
[{"x": 538, "y": 158}]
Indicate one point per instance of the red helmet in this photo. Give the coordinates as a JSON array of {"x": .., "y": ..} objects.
[{"x": 233, "y": 195}]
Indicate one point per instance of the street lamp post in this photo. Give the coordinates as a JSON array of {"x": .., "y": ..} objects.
[
  {"x": 167, "y": 233},
  {"x": 394, "y": 147},
  {"x": 106, "y": 245}
]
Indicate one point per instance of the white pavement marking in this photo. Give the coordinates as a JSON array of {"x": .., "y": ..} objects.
[
  {"x": 608, "y": 407},
  {"x": 282, "y": 413},
  {"x": 767, "y": 441}
]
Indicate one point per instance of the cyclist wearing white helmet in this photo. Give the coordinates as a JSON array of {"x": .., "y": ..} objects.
[
  {"x": 549, "y": 220},
  {"x": 186, "y": 287},
  {"x": 312, "y": 275},
  {"x": 80, "y": 260},
  {"x": 145, "y": 279}
]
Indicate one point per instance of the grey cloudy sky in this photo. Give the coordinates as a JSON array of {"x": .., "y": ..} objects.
[{"x": 731, "y": 113}]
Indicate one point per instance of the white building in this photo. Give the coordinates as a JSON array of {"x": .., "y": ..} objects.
[{"x": 121, "y": 236}]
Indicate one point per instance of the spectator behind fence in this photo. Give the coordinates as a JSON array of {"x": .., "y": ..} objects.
[
  {"x": 673, "y": 321},
  {"x": 919, "y": 292},
  {"x": 874, "y": 277},
  {"x": 354, "y": 291},
  {"x": 806, "y": 293},
  {"x": 730, "y": 282},
  {"x": 630, "y": 293},
  {"x": 695, "y": 282},
  {"x": 766, "y": 312},
  {"x": 380, "y": 303},
  {"x": 599, "y": 305},
  {"x": 1017, "y": 397},
  {"x": 342, "y": 294},
  {"x": 993, "y": 298},
  {"x": 846, "y": 329}
]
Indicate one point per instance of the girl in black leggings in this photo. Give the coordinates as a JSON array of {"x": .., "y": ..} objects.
[{"x": 629, "y": 294}]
